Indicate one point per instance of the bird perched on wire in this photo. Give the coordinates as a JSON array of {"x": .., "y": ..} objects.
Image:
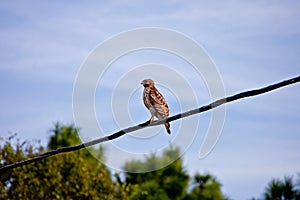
[{"x": 155, "y": 102}]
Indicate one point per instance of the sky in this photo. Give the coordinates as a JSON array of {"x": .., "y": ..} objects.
[{"x": 43, "y": 46}]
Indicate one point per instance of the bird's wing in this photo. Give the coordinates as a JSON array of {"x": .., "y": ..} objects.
[
  {"x": 159, "y": 104},
  {"x": 156, "y": 97}
]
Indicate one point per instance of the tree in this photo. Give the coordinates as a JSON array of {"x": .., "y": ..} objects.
[
  {"x": 78, "y": 175},
  {"x": 206, "y": 188},
  {"x": 63, "y": 136},
  {"x": 74, "y": 175},
  {"x": 282, "y": 189},
  {"x": 167, "y": 183}
]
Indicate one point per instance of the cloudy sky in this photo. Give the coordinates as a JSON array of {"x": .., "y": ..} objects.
[{"x": 251, "y": 43}]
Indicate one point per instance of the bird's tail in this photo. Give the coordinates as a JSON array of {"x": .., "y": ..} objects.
[{"x": 167, "y": 125}]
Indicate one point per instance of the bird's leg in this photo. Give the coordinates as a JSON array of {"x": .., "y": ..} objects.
[{"x": 151, "y": 120}]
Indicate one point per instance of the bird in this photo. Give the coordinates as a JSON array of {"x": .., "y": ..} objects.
[{"x": 155, "y": 103}]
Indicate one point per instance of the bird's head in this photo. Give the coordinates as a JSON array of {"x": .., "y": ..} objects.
[{"x": 148, "y": 83}]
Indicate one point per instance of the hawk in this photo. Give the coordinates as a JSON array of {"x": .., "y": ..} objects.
[{"x": 155, "y": 102}]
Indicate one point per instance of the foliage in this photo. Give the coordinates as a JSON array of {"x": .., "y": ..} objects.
[
  {"x": 167, "y": 183},
  {"x": 78, "y": 175},
  {"x": 63, "y": 136},
  {"x": 282, "y": 189},
  {"x": 170, "y": 182},
  {"x": 206, "y": 188},
  {"x": 69, "y": 176}
]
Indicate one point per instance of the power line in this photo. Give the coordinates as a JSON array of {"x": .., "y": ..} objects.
[{"x": 115, "y": 135}]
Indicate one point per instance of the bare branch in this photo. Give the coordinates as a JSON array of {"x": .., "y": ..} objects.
[{"x": 158, "y": 122}]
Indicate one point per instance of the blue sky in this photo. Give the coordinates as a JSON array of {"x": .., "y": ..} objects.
[{"x": 252, "y": 43}]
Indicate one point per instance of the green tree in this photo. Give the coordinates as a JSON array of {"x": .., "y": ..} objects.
[
  {"x": 73, "y": 175},
  {"x": 63, "y": 136},
  {"x": 282, "y": 189},
  {"x": 206, "y": 188},
  {"x": 167, "y": 183},
  {"x": 78, "y": 175}
]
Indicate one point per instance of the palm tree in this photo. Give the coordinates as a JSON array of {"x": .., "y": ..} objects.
[
  {"x": 201, "y": 180},
  {"x": 280, "y": 190},
  {"x": 206, "y": 188}
]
